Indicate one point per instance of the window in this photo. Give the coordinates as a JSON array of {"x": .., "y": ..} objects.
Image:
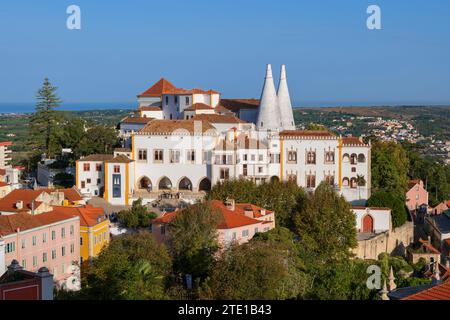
[
  {"x": 311, "y": 157},
  {"x": 53, "y": 235},
  {"x": 34, "y": 261},
  {"x": 292, "y": 178},
  {"x": 24, "y": 263},
  {"x": 99, "y": 181},
  {"x": 329, "y": 157},
  {"x": 245, "y": 157},
  {"x": 88, "y": 181},
  {"x": 53, "y": 254},
  {"x": 117, "y": 185},
  {"x": 176, "y": 99},
  {"x": 81, "y": 241},
  {"x": 72, "y": 248},
  {"x": 253, "y": 157},
  {"x": 163, "y": 229},
  {"x": 142, "y": 155},
  {"x": 95, "y": 240},
  {"x": 24, "y": 243},
  {"x": 260, "y": 157},
  {"x": 71, "y": 230},
  {"x": 174, "y": 156},
  {"x": 245, "y": 233},
  {"x": 256, "y": 230},
  {"x": 330, "y": 180},
  {"x": 63, "y": 268},
  {"x": 116, "y": 169},
  {"x": 104, "y": 236},
  {"x": 83, "y": 184},
  {"x": 63, "y": 233},
  {"x": 244, "y": 170},
  {"x": 233, "y": 237},
  {"x": 167, "y": 100},
  {"x": 100, "y": 238},
  {"x": 206, "y": 157},
  {"x": 158, "y": 156},
  {"x": 187, "y": 100},
  {"x": 275, "y": 158},
  {"x": 190, "y": 156},
  {"x": 44, "y": 238},
  {"x": 34, "y": 240},
  {"x": 98, "y": 167},
  {"x": 10, "y": 247},
  {"x": 310, "y": 180},
  {"x": 86, "y": 167},
  {"x": 353, "y": 169},
  {"x": 44, "y": 257},
  {"x": 260, "y": 169},
  {"x": 230, "y": 159},
  {"x": 63, "y": 251},
  {"x": 224, "y": 173},
  {"x": 292, "y": 156}
]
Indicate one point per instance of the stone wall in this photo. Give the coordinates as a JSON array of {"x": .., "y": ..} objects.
[{"x": 393, "y": 242}]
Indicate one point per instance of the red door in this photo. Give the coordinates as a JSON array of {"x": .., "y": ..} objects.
[{"x": 368, "y": 223}]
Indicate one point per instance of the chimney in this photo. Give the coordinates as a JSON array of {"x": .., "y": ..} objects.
[
  {"x": 19, "y": 205},
  {"x": 284, "y": 102},
  {"x": 230, "y": 204},
  {"x": 268, "y": 112},
  {"x": 248, "y": 211}
]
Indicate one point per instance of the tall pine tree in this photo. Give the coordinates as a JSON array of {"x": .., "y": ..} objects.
[{"x": 43, "y": 123}]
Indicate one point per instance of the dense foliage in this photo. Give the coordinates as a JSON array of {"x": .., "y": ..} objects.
[
  {"x": 138, "y": 216},
  {"x": 393, "y": 201}
]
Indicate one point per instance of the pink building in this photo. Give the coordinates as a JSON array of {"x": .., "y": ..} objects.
[
  {"x": 48, "y": 240},
  {"x": 416, "y": 195},
  {"x": 241, "y": 221}
]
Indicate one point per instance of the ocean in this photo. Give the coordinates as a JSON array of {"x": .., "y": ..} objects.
[{"x": 30, "y": 106}]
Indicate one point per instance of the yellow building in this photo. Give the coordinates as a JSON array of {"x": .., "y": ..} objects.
[{"x": 94, "y": 229}]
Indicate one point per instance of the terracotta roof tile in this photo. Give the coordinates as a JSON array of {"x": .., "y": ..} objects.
[
  {"x": 120, "y": 159},
  {"x": 176, "y": 127},
  {"x": 3, "y": 184},
  {"x": 352, "y": 141},
  {"x": 157, "y": 89},
  {"x": 235, "y": 105},
  {"x": 218, "y": 118},
  {"x": 5, "y": 143},
  {"x": 138, "y": 120},
  {"x": 437, "y": 292},
  {"x": 199, "y": 106},
  {"x": 89, "y": 215},
  {"x": 307, "y": 133},
  {"x": 97, "y": 157}
]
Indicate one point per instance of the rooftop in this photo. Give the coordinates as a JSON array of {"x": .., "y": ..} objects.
[
  {"x": 138, "y": 120},
  {"x": 218, "y": 118},
  {"x": 436, "y": 292},
  {"x": 97, "y": 157},
  {"x": 89, "y": 215},
  {"x": 169, "y": 127},
  {"x": 307, "y": 133}
]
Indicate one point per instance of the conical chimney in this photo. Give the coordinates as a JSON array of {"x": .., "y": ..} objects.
[
  {"x": 284, "y": 102},
  {"x": 268, "y": 115}
]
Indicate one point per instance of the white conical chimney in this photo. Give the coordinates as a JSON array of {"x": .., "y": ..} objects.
[
  {"x": 268, "y": 115},
  {"x": 284, "y": 102}
]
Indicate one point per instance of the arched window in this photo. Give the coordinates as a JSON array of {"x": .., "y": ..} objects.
[
  {"x": 145, "y": 183},
  {"x": 185, "y": 184},
  {"x": 353, "y": 158},
  {"x": 345, "y": 182},
  {"x": 353, "y": 183},
  {"x": 274, "y": 179},
  {"x": 345, "y": 157},
  {"x": 361, "y": 158},
  {"x": 165, "y": 184},
  {"x": 204, "y": 185}
]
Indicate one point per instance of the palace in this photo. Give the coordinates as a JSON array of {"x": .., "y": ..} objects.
[{"x": 184, "y": 141}]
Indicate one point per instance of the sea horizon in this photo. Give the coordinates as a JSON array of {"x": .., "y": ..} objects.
[{"x": 29, "y": 107}]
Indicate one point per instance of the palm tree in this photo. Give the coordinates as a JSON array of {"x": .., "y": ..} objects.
[{"x": 360, "y": 181}]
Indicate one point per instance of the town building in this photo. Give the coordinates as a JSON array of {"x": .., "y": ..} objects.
[
  {"x": 238, "y": 224},
  {"x": 47, "y": 239},
  {"x": 19, "y": 284},
  {"x": 202, "y": 140},
  {"x": 5, "y": 154},
  {"x": 423, "y": 250},
  {"x": 416, "y": 196},
  {"x": 94, "y": 229},
  {"x": 438, "y": 228}
]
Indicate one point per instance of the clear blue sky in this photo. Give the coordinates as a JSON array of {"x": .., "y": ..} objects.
[{"x": 125, "y": 46}]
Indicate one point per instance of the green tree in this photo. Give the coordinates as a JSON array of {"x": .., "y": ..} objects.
[
  {"x": 193, "y": 240},
  {"x": 133, "y": 266},
  {"x": 327, "y": 225},
  {"x": 44, "y": 122},
  {"x": 137, "y": 216},
  {"x": 360, "y": 181},
  {"x": 98, "y": 139},
  {"x": 389, "y": 168},
  {"x": 394, "y": 202},
  {"x": 256, "y": 270},
  {"x": 64, "y": 180}
]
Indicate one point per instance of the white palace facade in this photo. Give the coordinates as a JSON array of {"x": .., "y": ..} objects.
[{"x": 184, "y": 141}]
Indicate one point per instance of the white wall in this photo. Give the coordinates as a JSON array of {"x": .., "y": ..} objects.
[{"x": 381, "y": 218}]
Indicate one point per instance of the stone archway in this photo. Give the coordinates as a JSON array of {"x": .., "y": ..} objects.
[
  {"x": 274, "y": 179},
  {"x": 164, "y": 184},
  {"x": 185, "y": 184},
  {"x": 204, "y": 185},
  {"x": 145, "y": 183}
]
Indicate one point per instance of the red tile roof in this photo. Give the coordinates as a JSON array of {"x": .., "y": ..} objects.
[
  {"x": 5, "y": 143},
  {"x": 235, "y": 105},
  {"x": 157, "y": 89},
  {"x": 138, "y": 120},
  {"x": 352, "y": 141},
  {"x": 89, "y": 215},
  {"x": 149, "y": 108},
  {"x": 8, "y": 203},
  {"x": 3, "y": 184},
  {"x": 176, "y": 126},
  {"x": 218, "y": 118},
  {"x": 231, "y": 219},
  {"x": 412, "y": 183},
  {"x": 2, "y": 172},
  {"x": 437, "y": 292},
  {"x": 199, "y": 106},
  {"x": 429, "y": 246},
  {"x": 97, "y": 157},
  {"x": 24, "y": 221}
]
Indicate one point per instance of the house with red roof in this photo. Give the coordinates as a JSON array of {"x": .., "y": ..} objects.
[
  {"x": 238, "y": 224},
  {"x": 417, "y": 195}
]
